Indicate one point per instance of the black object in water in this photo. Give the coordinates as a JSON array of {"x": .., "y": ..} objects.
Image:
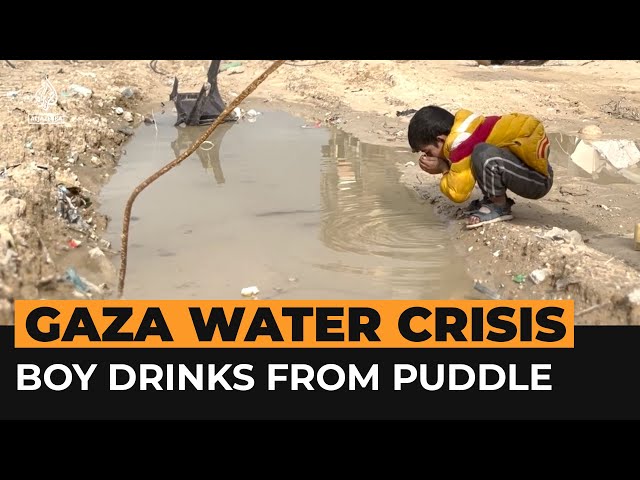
[{"x": 200, "y": 108}]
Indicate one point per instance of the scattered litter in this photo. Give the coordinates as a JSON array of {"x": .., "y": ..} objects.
[
  {"x": 69, "y": 201},
  {"x": 572, "y": 237},
  {"x": 634, "y": 296},
  {"x": 128, "y": 92},
  {"x": 119, "y": 110},
  {"x": 538, "y": 276},
  {"x": 487, "y": 291},
  {"x": 235, "y": 70},
  {"x": 78, "y": 90},
  {"x": 249, "y": 291},
  {"x": 591, "y": 309},
  {"x": 74, "y": 243},
  {"x": 293, "y": 279},
  {"x": 229, "y": 65},
  {"x": 619, "y": 153},
  {"x": 520, "y": 278},
  {"x": 496, "y": 253},
  {"x": 410, "y": 164},
  {"x": 406, "y": 113},
  {"x": 563, "y": 282},
  {"x": 77, "y": 280},
  {"x": 318, "y": 124}
]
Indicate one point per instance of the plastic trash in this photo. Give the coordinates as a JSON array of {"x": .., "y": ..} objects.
[
  {"x": 77, "y": 281},
  {"x": 200, "y": 108},
  {"x": 487, "y": 291},
  {"x": 249, "y": 291}
]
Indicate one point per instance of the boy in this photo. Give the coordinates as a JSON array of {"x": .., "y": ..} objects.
[{"x": 500, "y": 153}]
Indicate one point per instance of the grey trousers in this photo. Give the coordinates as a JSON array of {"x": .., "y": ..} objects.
[{"x": 497, "y": 171}]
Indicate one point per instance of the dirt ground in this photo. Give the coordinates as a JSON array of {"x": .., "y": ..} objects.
[{"x": 578, "y": 239}]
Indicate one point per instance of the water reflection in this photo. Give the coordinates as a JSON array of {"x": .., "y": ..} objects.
[
  {"x": 208, "y": 152},
  {"x": 367, "y": 211}
]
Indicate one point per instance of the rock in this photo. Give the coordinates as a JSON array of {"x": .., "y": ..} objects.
[
  {"x": 539, "y": 276},
  {"x": 249, "y": 291},
  {"x": 99, "y": 261},
  {"x": 80, "y": 91},
  {"x": 128, "y": 131},
  {"x": 591, "y": 131},
  {"x": 128, "y": 116},
  {"x": 571, "y": 237},
  {"x": 119, "y": 110},
  {"x": 11, "y": 207},
  {"x": 128, "y": 92}
]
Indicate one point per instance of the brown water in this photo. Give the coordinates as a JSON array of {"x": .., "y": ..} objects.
[{"x": 301, "y": 213}]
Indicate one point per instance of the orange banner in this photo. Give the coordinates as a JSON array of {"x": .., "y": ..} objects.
[{"x": 294, "y": 324}]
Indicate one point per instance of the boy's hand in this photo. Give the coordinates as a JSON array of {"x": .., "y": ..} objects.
[{"x": 433, "y": 165}]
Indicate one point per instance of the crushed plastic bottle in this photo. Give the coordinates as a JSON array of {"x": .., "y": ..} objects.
[
  {"x": 487, "y": 291},
  {"x": 77, "y": 281}
]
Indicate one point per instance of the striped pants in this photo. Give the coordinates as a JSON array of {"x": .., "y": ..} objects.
[{"x": 497, "y": 171}]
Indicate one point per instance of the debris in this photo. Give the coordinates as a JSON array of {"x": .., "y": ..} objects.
[
  {"x": 99, "y": 260},
  {"x": 519, "y": 278},
  {"x": 74, "y": 243},
  {"x": 200, "y": 108},
  {"x": 634, "y": 296},
  {"x": 229, "y": 65},
  {"x": 79, "y": 90},
  {"x": 538, "y": 276},
  {"x": 128, "y": 92},
  {"x": 69, "y": 201},
  {"x": 235, "y": 70},
  {"x": 119, "y": 110},
  {"x": 571, "y": 237},
  {"x": 77, "y": 280},
  {"x": 591, "y": 131},
  {"x": 619, "y": 153},
  {"x": 128, "y": 116},
  {"x": 249, "y": 291},
  {"x": 406, "y": 113},
  {"x": 591, "y": 309},
  {"x": 487, "y": 291},
  {"x": 587, "y": 158}
]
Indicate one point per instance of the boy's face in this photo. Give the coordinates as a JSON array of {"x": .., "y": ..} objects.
[{"x": 435, "y": 150}]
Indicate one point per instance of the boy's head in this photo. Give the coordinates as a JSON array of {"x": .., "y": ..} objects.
[{"x": 428, "y": 130}]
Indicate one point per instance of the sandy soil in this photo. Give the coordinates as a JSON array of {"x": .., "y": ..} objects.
[{"x": 580, "y": 235}]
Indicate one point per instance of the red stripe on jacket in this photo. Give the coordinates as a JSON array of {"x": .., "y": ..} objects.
[{"x": 478, "y": 136}]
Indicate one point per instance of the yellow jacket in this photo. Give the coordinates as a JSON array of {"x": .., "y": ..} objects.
[{"x": 523, "y": 134}]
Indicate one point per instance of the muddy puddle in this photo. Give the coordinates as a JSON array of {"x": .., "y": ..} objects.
[{"x": 300, "y": 213}]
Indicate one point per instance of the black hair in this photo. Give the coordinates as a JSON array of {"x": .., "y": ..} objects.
[{"x": 426, "y": 124}]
